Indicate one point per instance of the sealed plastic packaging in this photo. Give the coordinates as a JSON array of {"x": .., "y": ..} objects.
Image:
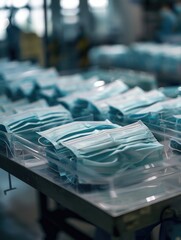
[
  {"x": 31, "y": 148},
  {"x": 117, "y": 192}
]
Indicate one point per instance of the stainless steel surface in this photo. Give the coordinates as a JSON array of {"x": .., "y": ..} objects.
[{"x": 117, "y": 226}]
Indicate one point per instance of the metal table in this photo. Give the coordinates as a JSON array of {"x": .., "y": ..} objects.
[{"x": 119, "y": 227}]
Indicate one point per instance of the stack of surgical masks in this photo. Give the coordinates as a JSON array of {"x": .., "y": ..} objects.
[
  {"x": 152, "y": 57},
  {"x": 146, "y": 81},
  {"x": 82, "y": 101},
  {"x": 30, "y": 106},
  {"x": 54, "y": 137},
  {"x": 101, "y": 92},
  {"x": 108, "y": 55},
  {"x": 121, "y": 110},
  {"x": 163, "y": 116},
  {"x": 105, "y": 148},
  {"x": 9, "y": 107},
  {"x": 19, "y": 81},
  {"x": 26, "y": 84},
  {"x": 121, "y": 103},
  {"x": 70, "y": 84},
  {"x": 34, "y": 118},
  {"x": 28, "y": 120},
  {"x": 100, "y": 109},
  {"x": 162, "y": 111},
  {"x": 66, "y": 85}
]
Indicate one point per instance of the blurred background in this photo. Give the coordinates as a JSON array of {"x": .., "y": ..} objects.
[{"x": 60, "y": 33}]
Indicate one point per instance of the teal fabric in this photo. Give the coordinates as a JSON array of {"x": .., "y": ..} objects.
[
  {"x": 34, "y": 118},
  {"x": 116, "y": 150}
]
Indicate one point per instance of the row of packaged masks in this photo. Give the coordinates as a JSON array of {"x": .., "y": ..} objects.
[
  {"x": 46, "y": 117},
  {"x": 150, "y": 107},
  {"x": 113, "y": 101},
  {"x": 103, "y": 161},
  {"x": 151, "y": 57},
  {"x": 93, "y": 156},
  {"x": 35, "y": 117},
  {"x": 33, "y": 82}
]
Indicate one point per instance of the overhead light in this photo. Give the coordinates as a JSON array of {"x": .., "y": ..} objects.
[
  {"x": 16, "y": 3},
  {"x": 69, "y": 4},
  {"x": 2, "y": 3},
  {"x": 36, "y": 3},
  {"x": 21, "y": 16},
  {"x": 98, "y": 3},
  {"x": 4, "y": 24}
]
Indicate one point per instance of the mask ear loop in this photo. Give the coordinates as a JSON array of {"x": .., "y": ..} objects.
[{"x": 40, "y": 141}]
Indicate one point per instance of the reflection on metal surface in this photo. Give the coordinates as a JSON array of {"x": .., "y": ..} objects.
[{"x": 149, "y": 199}]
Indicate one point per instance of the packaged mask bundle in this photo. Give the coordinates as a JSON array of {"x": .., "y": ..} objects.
[
  {"x": 107, "y": 55},
  {"x": 78, "y": 103},
  {"x": 65, "y": 85},
  {"x": 81, "y": 104},
  {"x": 73, "y": 130},
  {"x": 113, "y": 151},
  {"x": 105, "y": 148},
  {"x": 10, "y": 106},
  {"x": 159, "y": 112},
  {"x": 31, "y": 106},
  {"x": 13, "y": 69},
  {"x": 132, "y": 78},
  {"x": 25, "y": 84},
  {"x": 69, "y": 101},
  {"x": 100, "y": 109},
  {"x": 15, "y": 87},
  {"x": 165, "y": 117},
  {"x": 72, "y": 83},
  {"x": 149, "y": 57},
  {"x": 54, "y": 137},
  {"x": 122, "y": 110},
  {"x": 34, "y": 118}
]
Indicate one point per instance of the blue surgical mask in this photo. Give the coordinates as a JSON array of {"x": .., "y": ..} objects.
[
  {"x": 35, "y": 105},
  {"x": 73, "y": 130},
  {"x": 100, "y": 109},
  {"x": 81, "y": 104},
  {"x": 161, "y": 110},
  {"x": 122, "y": 109},
  {"x": 111, "y": 150},
  {"x": 35, "y": 118},
  {"x": 10, "y": 106}
]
